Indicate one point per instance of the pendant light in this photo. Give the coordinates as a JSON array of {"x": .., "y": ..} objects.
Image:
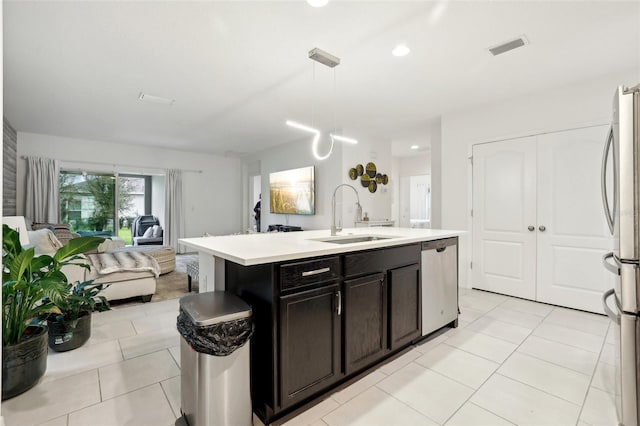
[{"x": 330, "y": 61}]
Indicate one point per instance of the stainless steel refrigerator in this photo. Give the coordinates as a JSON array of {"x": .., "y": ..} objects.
[{"x": 621, "y": 199}]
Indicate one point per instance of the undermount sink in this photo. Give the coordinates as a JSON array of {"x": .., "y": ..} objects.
[{"x": 353, "y": 239}]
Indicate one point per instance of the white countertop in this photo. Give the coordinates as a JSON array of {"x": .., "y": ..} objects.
[{"x": 259, "y": 248}]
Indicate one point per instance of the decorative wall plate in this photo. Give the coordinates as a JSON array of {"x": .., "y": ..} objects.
[
  {"x": 371, "y": 170},
  {"x": 364, "y": 180},
  {"x": 379, "y": 178},
  {"x": 385, "y": 179},
  {"x": 373, "y": 186},
  {"x": 353, "y": 174},
  {"x": 359, "y": 169}
]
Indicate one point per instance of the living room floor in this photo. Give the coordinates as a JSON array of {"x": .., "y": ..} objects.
[{"x": 511, "y": 361}]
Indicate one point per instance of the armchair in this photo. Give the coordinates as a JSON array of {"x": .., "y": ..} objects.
[{"x": 146, "y": 230}]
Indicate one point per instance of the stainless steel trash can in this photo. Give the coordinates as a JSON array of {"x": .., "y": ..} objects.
[{"x": 214, "y": 355}]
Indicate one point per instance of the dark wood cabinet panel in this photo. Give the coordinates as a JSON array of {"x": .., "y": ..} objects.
[
  {"x": 380, "y": 260},
  {"x": 309, "y": 272},
  {"x": 365, "y": 321},
  {"x": 404, "y": 305},
  {"x": 310, "y": 343}
]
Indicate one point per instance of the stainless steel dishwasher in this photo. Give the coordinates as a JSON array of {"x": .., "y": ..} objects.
[{"x": 439, "y": 284}]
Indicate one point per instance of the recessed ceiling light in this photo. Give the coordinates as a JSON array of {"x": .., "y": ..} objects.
[
  {"x": 414, "y": 147},
  {"x": 400, "y": 50},
  {"x": 318, "y": 3},
  {"x": 145, "y": 97}
]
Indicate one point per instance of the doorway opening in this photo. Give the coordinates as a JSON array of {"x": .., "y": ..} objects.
[{"x": 255, "y": 193}]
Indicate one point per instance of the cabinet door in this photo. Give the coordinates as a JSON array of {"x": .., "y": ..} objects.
[
  {"x": 404, "y": 305},
  {"x": 365, "y": 321},
  {"x": 572, "y": 231},
  {"x": 504, "y": 217},
  {"x": 310, "y": 341}
]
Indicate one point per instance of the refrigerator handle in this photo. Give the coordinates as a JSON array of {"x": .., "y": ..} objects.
[
  {"x": 611, "y": 268},
  {"x": 603, "y": 180},
  {"x": 614, "y": 316}
]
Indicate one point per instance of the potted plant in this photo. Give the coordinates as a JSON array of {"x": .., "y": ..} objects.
[
  {"x": 30, "y": 286},
  {"x": 70, "y": 328}
]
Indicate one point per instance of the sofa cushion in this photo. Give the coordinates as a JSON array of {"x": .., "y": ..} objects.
[
  {"x": 157, "y": 231},
  {"x": 61, "y": 230},
  {"x": 44, "y": 241},
  {"x": 148, "y": 233},
  {"x": 110, "y": 244}
]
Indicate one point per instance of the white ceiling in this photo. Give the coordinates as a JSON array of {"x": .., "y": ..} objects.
[{"x": 238, "y": 69}]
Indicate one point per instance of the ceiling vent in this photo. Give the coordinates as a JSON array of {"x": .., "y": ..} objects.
[
  {"x": 324, "y": 58},
  {"x": 509, "y": 45},
  {"x": 144, "y": 97}
]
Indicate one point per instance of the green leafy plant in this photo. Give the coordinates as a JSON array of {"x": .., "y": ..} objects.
[
  {"x": 81, "y": 297},
  {"x": 32, "y": 286}
]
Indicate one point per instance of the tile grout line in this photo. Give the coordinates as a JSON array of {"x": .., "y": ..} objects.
[
  {"x": 539, "y": 390},
  {"x": 468, "y": 400},
  {"x": 533, "y": 387},
  {"x": 166, "y": 397},
  {"x": 404, "y": 403},
  {"x": 99, "y": 384},
  {"x": 563, "y": 343},
  {"x": 595, "y": 368},
  {"x": 553, "y": 363}
]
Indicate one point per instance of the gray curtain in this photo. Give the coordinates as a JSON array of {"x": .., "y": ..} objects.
[
  {"x": 42, "y": 192},
  {"x": 173, "y": 209}
]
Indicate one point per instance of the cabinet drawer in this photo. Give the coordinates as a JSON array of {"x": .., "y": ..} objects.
[
  {"x": 379, "y": 260},
  {"x": 309, "y": 272}
]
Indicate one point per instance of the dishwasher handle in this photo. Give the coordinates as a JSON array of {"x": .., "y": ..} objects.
[{"x": 439, "y": 245}]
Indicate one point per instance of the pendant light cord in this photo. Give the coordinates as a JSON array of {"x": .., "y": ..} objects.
[
  {"x": 335, "y": 101},
  {"x": 313, "y": 87}
]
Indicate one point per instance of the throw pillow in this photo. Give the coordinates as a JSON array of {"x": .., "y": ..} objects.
[
  {"x": 157, "y": 231},
  {"x": 148, "y": 233},
  {"x": 45, "y": 241}
]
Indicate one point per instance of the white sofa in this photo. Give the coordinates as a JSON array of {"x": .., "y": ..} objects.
[{"x": 118, "y": 285}]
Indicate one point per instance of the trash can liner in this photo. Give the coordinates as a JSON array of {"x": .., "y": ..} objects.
[{"x": 219, "y": 339}]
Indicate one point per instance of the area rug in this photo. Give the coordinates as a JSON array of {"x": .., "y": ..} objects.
[
  {"x": 169, "y": 286},
  {"x": 174, "y": 284}
]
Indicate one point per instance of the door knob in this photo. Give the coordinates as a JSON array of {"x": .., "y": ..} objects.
[
  {"x": 531, "y": 228},
  {"x": 542, "y": 228}
]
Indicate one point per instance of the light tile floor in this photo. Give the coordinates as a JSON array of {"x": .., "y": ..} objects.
[{"x": 511, "y": 361}]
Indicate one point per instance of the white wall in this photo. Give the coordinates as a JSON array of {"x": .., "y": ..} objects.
[
  {"x": 212, "y": 198},
  {"x": 414, "y": 166},
  {"x": 329, "y": 174},
  {"x": 578, "y": 105},
  {"x": 436, "y": 173},
  {"x": 291, "y": 156}
]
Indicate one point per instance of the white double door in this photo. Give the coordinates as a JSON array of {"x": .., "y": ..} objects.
[{"x": 539, "y": 231}]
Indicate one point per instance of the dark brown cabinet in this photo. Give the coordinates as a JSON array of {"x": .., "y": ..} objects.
[
  {"x": 310, "y": 342},
  {"x": 365, "y": 321},
  {"x": 404, "y": 305}
]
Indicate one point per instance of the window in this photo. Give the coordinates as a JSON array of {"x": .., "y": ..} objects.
[{"x": 88, "y": 202}]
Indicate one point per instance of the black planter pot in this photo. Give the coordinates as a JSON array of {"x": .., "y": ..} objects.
[
  {"x": 63, "y": 338},
  {"x": 24, "y": 364}
]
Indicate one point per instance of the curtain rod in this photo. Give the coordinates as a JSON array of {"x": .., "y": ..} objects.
[{"x": 24, "y": 157}]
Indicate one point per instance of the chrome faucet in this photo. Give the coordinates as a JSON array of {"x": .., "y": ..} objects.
[{"x": 335, "y": 229}]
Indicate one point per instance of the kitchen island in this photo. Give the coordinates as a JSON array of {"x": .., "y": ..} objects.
[{"x": 326, "y": 309}]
